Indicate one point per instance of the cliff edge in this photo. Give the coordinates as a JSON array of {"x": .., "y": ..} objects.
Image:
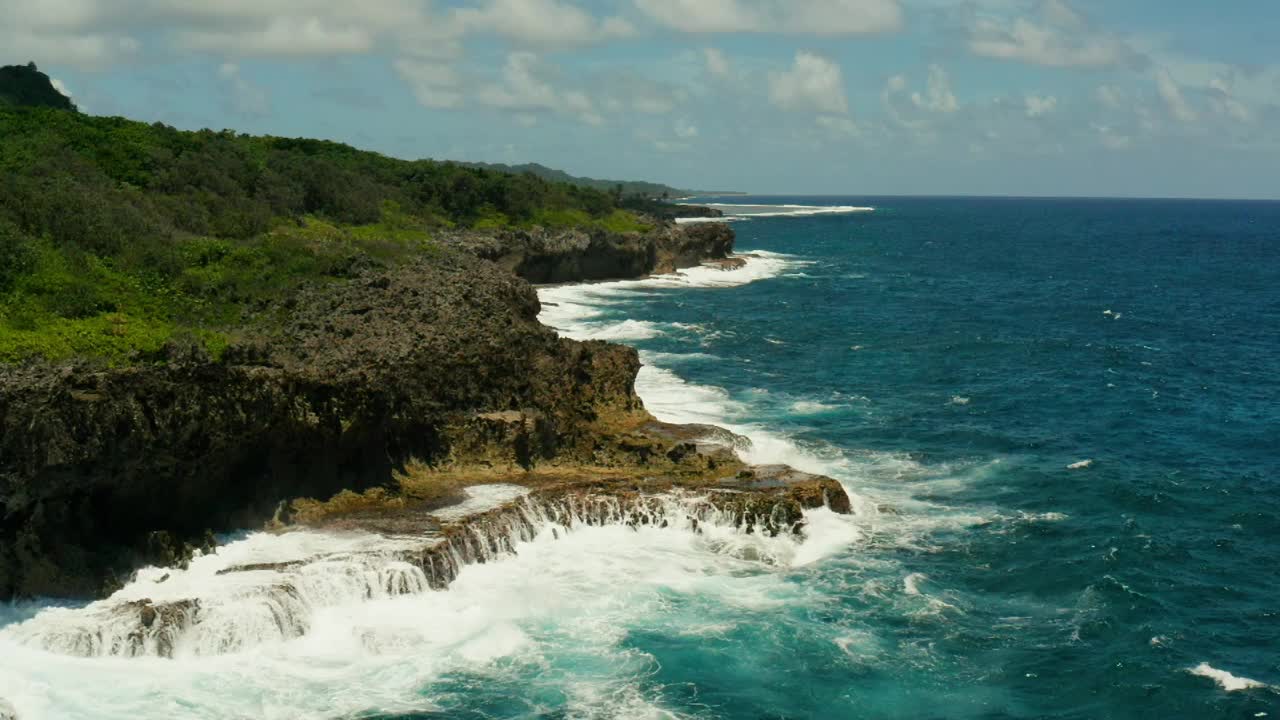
[{"x": 439, "y": 365}]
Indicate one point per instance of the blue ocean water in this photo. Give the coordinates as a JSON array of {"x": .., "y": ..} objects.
[
  {"x": 956, "y": 356},
  {"x": 1058, "y": 420}
]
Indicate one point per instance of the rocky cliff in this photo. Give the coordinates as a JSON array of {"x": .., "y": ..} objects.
[
  {"x": 542, "y": 256},
  {"x": 440, "y": 365}
]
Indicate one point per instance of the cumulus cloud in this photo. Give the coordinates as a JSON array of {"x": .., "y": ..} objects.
[
  {"x": 1224, "y": 102},
  {"x": 938, "y": 96},
  {"x": 1110, "y": 96},
  {"x": 919, "y": 110},
  {"x": 717, "y": 63},
  {"x": 813, "y": 83},
  {"x": 1058, "y": 37},
  {"x": 433, "y": 84},
  {"x": 818, "y": 17},
  {"x": 838, "y": 124},
  {"x": 243, "y": 97},
  {"x": 87, "y": 50},
  {"x": 1111, "y": 138},
  {"x": 527, "y": 89},
  {"x": 1040, "y": 105},
  {"x": 686, "y": 130},
  {"x": 93, "y": 33},
  {"x": 1171, "y": 93},
  {"x": 283, "y": 36},
  {"x": 542, "y": 22},
  {"x": 620, "y": 91}
]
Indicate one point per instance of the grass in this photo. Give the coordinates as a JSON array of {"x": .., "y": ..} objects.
[{"x": 67, "y": 302}]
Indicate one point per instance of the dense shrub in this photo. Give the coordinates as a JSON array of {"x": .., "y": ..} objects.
[{"x": 115, "y": 235}]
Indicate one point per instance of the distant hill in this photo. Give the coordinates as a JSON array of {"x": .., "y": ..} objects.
[
  {"x": 25, "y": 85},
  {"x": 629, "y": 187}
]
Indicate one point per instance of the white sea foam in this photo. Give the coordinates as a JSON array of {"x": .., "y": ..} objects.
[
  {"x": 911, "y": 583},
  {"x": 702, "y": 220},
  {"x": 1080, "y": 465},
  {"x": 883, "y": 487},
  {"x": 560, "y": 592},
  {"x": 481, "y": 498},
  {"x": 736, "y": 211},
  {"x": 1225, "y": 680},
  {"x": 810, "y": 407},
  {"x": 577, "y": 311}
]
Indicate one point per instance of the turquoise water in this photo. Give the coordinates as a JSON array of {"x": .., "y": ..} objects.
[
  {"x": 949, "y": 360},
  {"x": 955, "y": 357}
]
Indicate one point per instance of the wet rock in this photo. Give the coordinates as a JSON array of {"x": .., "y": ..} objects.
[
  {"x": 331, "y": 400},
  {"x": 426, "y": 550},
  {"x": 442, "y": 361}
]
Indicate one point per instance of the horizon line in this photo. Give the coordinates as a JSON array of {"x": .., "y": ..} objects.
[{"x": 959, "y": 196}]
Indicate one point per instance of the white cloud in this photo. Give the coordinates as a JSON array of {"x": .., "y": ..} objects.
[
  {"x": 626, "y": 89},
  {"x": 542, "y": 22},
  {"x": 938, "y": 97},
  {"x": 1038, "y": 106},
  {"x": 87, "y": 51},
  {"x": 916, "y": 110},
  {"x": 717, "y": 63},
  {"x": 686, "y": 130},
  {"x": 283, "y": 36},
  {"x": 838, "y": 124},
  {"x": 60, "y": 86},
  {"x": 243, "y": 96},
  {"x": 577, "y": 102},
  {"x": 667, "y": 146},
  {"x": 1059, "y": 37},
  {"x": 653, "y": 105},
  {"x": 813, "y": 83},
  {"x": 522, "y": 88},
  {"x": 93, "y": 33},
  {"x": 817, "y": 17},
  {"x": 525, "y": 90},
  {"x": 1111, "y": 138},
  {"x": 1171, "y": 94},
  {"x": 434, "y": 84},
  {"x": 1223, "y": 101},
  {"x": 1110, "y": 96}
]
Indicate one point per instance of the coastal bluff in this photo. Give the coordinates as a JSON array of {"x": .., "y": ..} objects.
[{"x": 373, "y": 396}]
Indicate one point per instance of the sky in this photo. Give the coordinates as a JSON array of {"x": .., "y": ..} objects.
[{"x": 1152, "y": 98}]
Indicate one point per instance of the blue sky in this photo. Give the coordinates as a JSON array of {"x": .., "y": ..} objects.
[{"x": 1009, "y": 97}]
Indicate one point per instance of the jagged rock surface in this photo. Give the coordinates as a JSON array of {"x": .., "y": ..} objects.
[
  {"x": 415, "y": 550},
  {"x": 101, "y": 470},
  {"x": 441, "y": 363},
  {"x": 543, "y": 256}
]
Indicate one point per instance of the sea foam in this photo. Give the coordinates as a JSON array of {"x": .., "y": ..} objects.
[
  {"x": 1224, "y": 679},
  {"x": 738, "y": 211}
]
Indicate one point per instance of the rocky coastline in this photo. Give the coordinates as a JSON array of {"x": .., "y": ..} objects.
[{"x": 369, "y": 404}]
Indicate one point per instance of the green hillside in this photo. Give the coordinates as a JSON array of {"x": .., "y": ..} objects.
[{"x": 118, "y": 237}]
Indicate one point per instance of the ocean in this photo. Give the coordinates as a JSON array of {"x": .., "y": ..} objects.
[{"x": 1058, "y": 421}]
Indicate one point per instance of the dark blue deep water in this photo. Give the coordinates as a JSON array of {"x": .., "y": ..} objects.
[{"x": 955, "y": 356}]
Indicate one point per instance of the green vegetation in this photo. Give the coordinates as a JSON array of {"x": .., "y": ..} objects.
[
  {"x": 619, "y": 188},
  {"x": 26, "y": 85},
  {"x": 119, "y": 239}
]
